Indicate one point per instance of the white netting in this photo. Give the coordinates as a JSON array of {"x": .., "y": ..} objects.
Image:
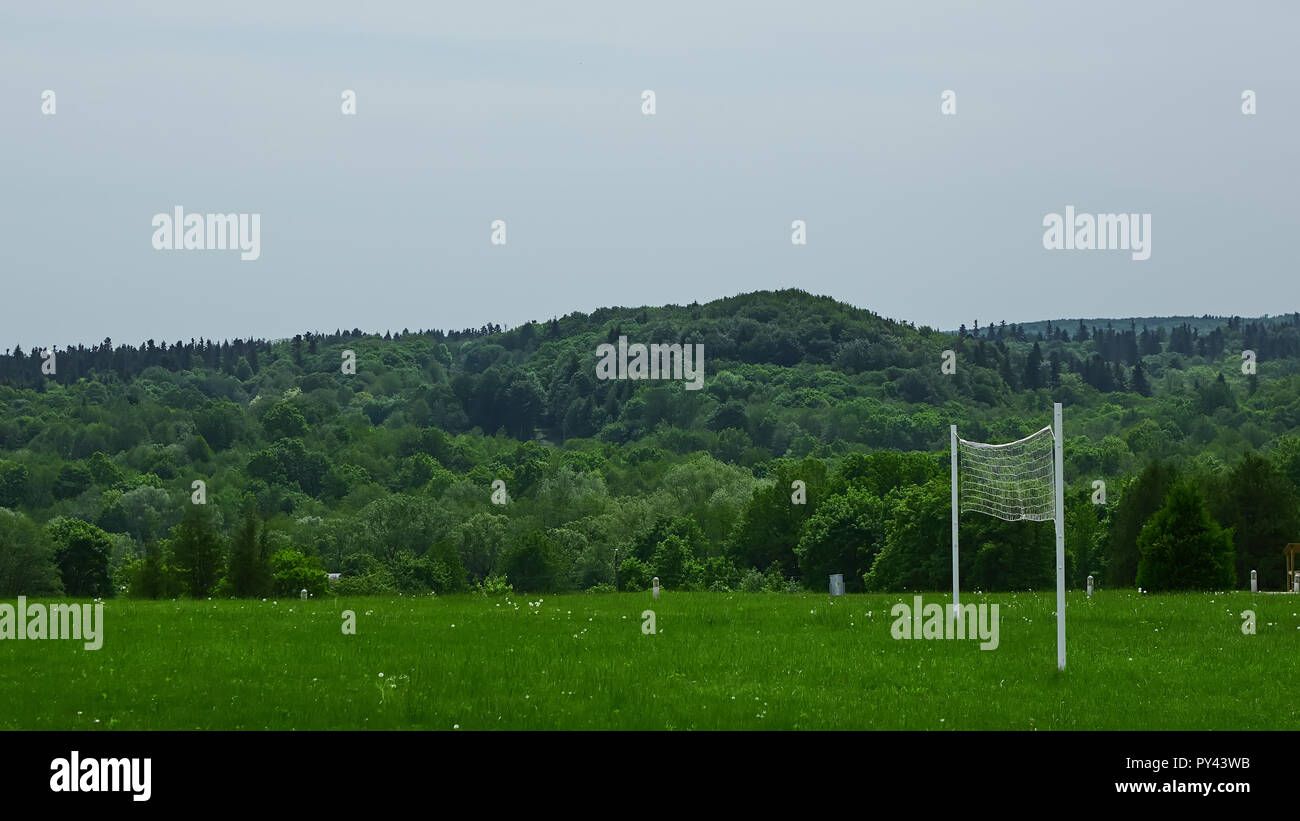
[{"x": 1012, "y": 481}]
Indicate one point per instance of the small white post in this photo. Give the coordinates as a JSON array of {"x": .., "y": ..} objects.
[
  {"x": 1296, "y": 584},
  {"x": 955, "y": 571},
  {"x": 1090, "y": 587},
  {"x": 655, "y": 583},
  {"x": 303, "y": 594},
  {"x": 1060, "y": 539},
  {"x": 1254, "y": 582},
  {"x": 837, "y": 584}
]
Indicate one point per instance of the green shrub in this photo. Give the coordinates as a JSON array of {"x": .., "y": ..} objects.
[
  {"x": 293, "y": 571},
  {"x": 752, "y": 581},
  {"x": 634, "y": 575},
  {"x": 377, "y": 581},
  {"x": 495, "y": 586}
]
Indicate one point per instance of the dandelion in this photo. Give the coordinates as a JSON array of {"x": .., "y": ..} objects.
[
  {"x": 455, "y": 726},
  {"x": 381, "y": 675}
]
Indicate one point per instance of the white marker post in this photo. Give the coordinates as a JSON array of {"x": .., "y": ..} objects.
[
  {"x": 1254, "y": 582},
  {"x": 837, "y": 584},
  {"x": 655, "y": 583},
  {"x": 303, "y": 594},
  {"x": 1090, "y": 587}
]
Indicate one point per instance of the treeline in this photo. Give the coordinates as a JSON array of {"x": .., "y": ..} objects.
[
  {"x": 386, "y": 475},
  {"x": 881, "y": 519}
]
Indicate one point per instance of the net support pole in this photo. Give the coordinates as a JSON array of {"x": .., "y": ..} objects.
[
  {"x": 1059, "y": 517},
  {"x": 955, "y": 581}
]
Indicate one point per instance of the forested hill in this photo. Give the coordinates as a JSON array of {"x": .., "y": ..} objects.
[{"x": 386, "y": 474}]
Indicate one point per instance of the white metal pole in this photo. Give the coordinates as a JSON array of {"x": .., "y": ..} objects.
[
  {"x": 955, "y": 572},
  {"x": 1254, "y": 582},
  {"x": 1060, "y": 540}
]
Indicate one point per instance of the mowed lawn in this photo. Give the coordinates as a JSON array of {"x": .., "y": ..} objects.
[{"x": 718, "y": 661}]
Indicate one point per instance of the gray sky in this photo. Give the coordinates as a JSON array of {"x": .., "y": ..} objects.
[{"x": 767, "y": 112}]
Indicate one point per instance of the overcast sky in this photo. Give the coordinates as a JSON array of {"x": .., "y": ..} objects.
[{"x": 767, "y": 112}]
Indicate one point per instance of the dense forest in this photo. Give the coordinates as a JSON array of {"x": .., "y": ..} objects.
[{"x": 476, "y": 459}]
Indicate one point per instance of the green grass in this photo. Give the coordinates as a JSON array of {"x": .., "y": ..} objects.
[{"x": 719, "y": 661}]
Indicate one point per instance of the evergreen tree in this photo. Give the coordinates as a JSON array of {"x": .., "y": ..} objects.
[
  {"x": 1263, "y": 510},
  {"x": 1034, "y": 368},
  {"x": 1140, "y": 383},
  {"x": 1140, "y": 498},
  {"x": 198, "y": 551},
  {"x": 151, "y": 577},
  {"x": 1183, "y": 548},
  {"x": 249, "y": 571}
]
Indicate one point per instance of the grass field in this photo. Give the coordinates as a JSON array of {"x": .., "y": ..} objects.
[{"x": 719, "y": 661}]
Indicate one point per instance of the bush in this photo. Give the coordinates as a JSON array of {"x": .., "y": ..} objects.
[
  {"x": 634, "y": 575},
  {"x": 719, "y": 575},
  {"x": 420, "y": 574},
  {"x": 152, "y": 577},
  {"x": 495, "y": 586},
  {"x": 377, "y": 581},
  {"x": 534, "y": 565},
  {"x": 675, "y": 564},
  {"x": 293, "y": 571},
  {"x": 752, "y": 581}
]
